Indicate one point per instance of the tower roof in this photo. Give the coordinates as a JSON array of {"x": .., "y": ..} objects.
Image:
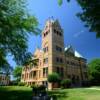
[{"x": 73, "y": 51}]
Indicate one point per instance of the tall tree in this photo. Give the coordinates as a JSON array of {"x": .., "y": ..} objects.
[
  {"x": 17, "y": 72},
  {"x": 94, "y": 71},
  {"x": 90, "y": 14},
  {"x": 16, "y": 24}
]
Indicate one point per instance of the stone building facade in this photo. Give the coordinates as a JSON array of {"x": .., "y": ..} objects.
[
  {"x": 54, "y": 57},
  {"x": 4, "y": 79}
]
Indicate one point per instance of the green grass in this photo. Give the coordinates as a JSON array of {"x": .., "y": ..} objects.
[
  {"x": 25, "y": 93},
  {"x": 77, "y": 94},
  {"x": 15, "y": 93}
]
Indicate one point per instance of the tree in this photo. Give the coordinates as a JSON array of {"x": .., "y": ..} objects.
[
  {"x": 54, "y": 78},
  {"x": 16, "y": 24},
  {"x": 61, "y": 1},
  {"x": 90, "y": 14},
  {"x": 66, "y": 83},
  {"x": 94, "y": 71},
  {"x": 17, "y": 73}
]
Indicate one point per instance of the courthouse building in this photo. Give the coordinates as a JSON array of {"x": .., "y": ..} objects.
[{"x": 55, "y": 57}]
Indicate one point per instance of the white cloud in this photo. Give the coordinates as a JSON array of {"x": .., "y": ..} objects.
[{"x": 79, "y": 33}]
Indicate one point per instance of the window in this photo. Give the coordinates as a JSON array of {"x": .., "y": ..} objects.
[
  {"x": 58, "y": 48},
  {"x": 34, "y": 74},
  {"x": 60, "y": 71},
  {"x": 57, "y": 32},
  {"x": 60, "y": 60},
  {"x": 85, "y": 75},
  {"x": 57, "y": 70},
  {"x": 46, "y": 33},
  {"x": 69, "y": 76},
  {"x": 57, "y": 59},
  {"x": 45, "y": 72},
  {"x": 60, "y": 34},
  {"x": 67, "y": 62},
  {"x": 45, "y": 49},
  {"x": 46, "y": 60},
  {"x": 39, "y": 73}
]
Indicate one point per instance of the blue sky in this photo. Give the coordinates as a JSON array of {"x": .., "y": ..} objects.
[{"x": 74, "y": 31}]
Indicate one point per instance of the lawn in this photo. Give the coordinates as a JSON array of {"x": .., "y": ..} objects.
[
  {"x": 77, "y": 94},
  {"x": 15, "y": 93},
  {"x": 25, "y": 93}
]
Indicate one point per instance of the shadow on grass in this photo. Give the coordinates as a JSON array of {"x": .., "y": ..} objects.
[
  {"x": 57, "y": 95},
  {"x": 15, "y": 95}
]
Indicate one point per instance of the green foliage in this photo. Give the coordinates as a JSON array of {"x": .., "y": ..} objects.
[
  {"x": 38, "y": 89},
  {"x": 25, "y": 93},
  {"x": 16, "y": 24},
  {"x": 17, "y": 72},
  {"x": 21, "y": 84},
  {"x": 60, "y": 2},
  {"x": 53, "y": 78},
  {"x": 94, "y": 71},
  {"x": 66, "y": 83},
  {"x": 90, "y": 14}
]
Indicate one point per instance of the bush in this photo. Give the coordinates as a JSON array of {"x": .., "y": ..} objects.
[
  {"x": 66, "y": 83},
  {"x": 42, "y": 88},
  {"x": 38, "y": 90},
  {"x": 21, "y": 84},
  {"x": 32, "y": 86},
  {"x": 13, "y": 83},
  {"x": 53, "y": 78}
]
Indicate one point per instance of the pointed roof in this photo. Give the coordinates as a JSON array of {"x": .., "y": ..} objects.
[{"x": 73, "y": 51}]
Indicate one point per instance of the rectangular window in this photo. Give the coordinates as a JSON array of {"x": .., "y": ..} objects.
[
  {"x": 57, "y": 59},
  {"x": 45, "y": 60},
  {"x": 45, "y": 49},
  {"x": 34, "y": 74},
  {"x": 57, "y": 69},
  {"x": 58, "y": 48},
  {"x": 62, "y": 72},
  {"x": 57, "y": 32},
  {"x": 60, "y": 60},
  {"x": 46, "y": 33},
  {"x": 45, "y": 72}
]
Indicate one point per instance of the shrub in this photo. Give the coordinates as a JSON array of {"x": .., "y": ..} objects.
[
  {"x": 53, "y": 78},
  {"x": 13, "y": 83},
  {"x": 66, "y": 83},
  {"x": 32, "y": 86},
  {"x": 42, "y": 88},
  {"x": 21, "y": 84},
  {"x": 39, "y": 90}
]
